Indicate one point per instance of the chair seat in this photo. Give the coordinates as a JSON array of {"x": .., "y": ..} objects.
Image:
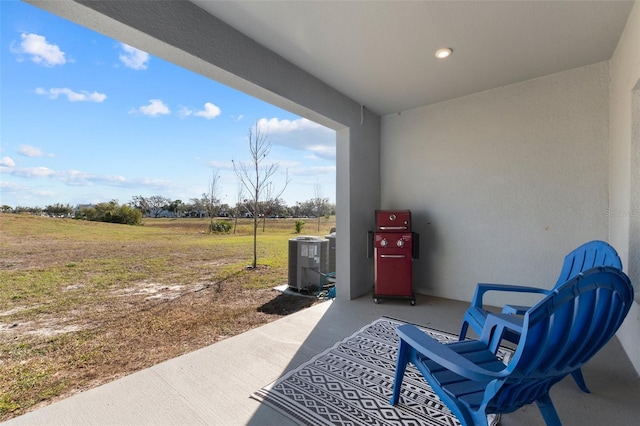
[{"x": 457, "y": 386}]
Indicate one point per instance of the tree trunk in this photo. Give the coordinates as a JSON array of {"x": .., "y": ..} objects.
[{"x": 255, "y": 240}]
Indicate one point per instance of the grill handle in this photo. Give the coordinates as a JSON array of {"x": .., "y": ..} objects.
[
  {"x": 393, "y": 256},
  {"x": 393, "y": 228}
]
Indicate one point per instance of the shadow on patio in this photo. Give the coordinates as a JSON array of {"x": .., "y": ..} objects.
[{"x": 213, "y": 385}]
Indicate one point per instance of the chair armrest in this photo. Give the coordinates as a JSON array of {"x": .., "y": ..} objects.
[
  {"x": 495, "y": 326},
  {"x": 482, "y": 288},
  {"x": 515, "y": 309},
  {"x": 443, "y": 355}
]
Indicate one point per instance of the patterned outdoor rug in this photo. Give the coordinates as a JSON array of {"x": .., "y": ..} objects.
[{"x": 351, "y": 383}]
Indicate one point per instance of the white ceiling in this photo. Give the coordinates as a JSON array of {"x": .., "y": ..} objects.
[{"x": 381, "y": 54}]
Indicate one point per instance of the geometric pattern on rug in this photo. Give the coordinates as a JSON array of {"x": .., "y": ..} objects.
[{"x": 351, "y": 383}]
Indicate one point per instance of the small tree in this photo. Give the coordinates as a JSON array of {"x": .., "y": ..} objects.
[
  {"x": 197, "y": 207},
  {"x": 220, "y": 227},
  {"x": 211, "y": 200},
  {"x": 153, "y": 206},
  {"x": 256, "y": 178},
  {"x": 157, "y": 204},
  {"x": 319, "y": 203},
  {"x": 237, "y": 209},
  {"x": 176, "y": 207}
]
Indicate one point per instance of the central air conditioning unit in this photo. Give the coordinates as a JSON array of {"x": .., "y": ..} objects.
[{"x": 308, "y": 261}]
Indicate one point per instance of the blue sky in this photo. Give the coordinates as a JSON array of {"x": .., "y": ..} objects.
[{"x": 86, "y": 119}]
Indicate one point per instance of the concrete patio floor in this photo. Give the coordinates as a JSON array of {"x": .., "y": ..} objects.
[{"x": 212, "y": 386}]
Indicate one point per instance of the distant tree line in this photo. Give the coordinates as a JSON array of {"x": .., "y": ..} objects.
[
  {"x": 55, "y": 210},
  {"x": 160, "y": 206},
  {"x": 207, "y": 206}
]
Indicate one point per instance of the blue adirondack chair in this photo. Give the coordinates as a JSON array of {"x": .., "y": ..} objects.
[
  {"x": 589, "y": 255},
  {"x": 558, "y": 335}
]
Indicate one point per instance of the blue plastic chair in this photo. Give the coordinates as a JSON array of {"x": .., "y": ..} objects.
[
  {"x": 558, "y": 335},
  {"x": 589, "y": 255}
]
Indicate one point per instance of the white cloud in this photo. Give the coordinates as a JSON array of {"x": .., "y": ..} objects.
[
  {"x": 210, "y": 111},
  {"x": 32, "y": 151},
  {"x": 313, "y": 171},
  {"x": 40, "y": 51},
  {"x": 10, "y": 186},
  {"x": 43, "y": 193},
  {"x": 300, "y": 134},
  {"x": 30, "y": 172},
  {"x": 184, "y": 112},
  {"x": 287, "y": 164},
  {"x": 133, "y": 58},
  {"x": 154, "y": 108},
  {"x": 275, "y": 125},
  {"x": 323, "y": 151},
  {"x": 24, "y": 194},
  {"x": 79, "y": 178},
  {"x": 72, "y": 96},
  {"x": 148, "y": 183},
  {"x": 7, "y": 162}
]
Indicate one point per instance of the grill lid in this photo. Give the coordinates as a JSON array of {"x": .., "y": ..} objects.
[{"x": 393, "y": 220}]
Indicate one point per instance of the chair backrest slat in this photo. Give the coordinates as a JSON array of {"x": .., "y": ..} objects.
[
  {"x": 576, "y": 320},
  {"x": 565, "y": 329},
  {"x": 581, "y": 320},
  {"x": 589, "y": 255}
]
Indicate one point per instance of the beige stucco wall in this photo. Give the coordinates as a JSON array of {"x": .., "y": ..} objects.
[
  {"x": 503, "y": 183},
  {"x": 623, "y": 222}
]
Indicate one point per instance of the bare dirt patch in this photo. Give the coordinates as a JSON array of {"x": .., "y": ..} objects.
[{"x": 100, "y": 346}]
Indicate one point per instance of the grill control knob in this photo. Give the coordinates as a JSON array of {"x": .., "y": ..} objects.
[
  {"x": 400, "y": 243},
  {"x": 384, "y": 242}
]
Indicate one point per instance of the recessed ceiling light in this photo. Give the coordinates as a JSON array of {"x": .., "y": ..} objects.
[{"x": 443, "y": 53}]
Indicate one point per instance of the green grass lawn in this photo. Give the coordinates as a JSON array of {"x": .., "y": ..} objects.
[{"x": 82, "y": 303}]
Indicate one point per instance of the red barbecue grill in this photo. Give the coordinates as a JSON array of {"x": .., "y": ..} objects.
[{"x": 394, "y": 248}]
